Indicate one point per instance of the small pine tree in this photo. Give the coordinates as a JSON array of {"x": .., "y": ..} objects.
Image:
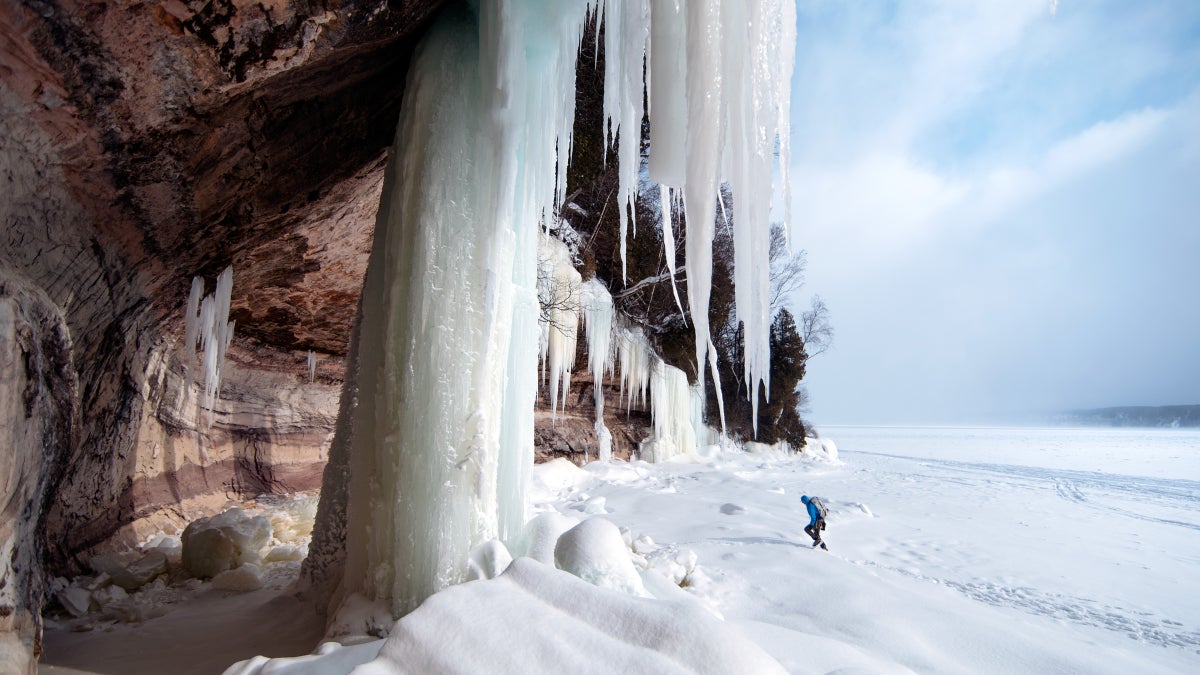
[{"x": 779, "y": 418}]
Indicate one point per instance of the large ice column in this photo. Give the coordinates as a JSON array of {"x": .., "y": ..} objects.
[
  {"x": 440, "y": 438},
  {"x": 442, "y": 434},
  {"x": 671, "y": 400}
]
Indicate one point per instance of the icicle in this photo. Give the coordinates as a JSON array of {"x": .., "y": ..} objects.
[
  {"x": 559, "y": 292},
  {"x": 664, "y": 206},
  {"x": 209, "y": 329},
  {"x": 312, "y": 366},
  {"x": 626, "y": 32},
  {"x": 634, "y": 362},
  {"x": 668, "y": 97},
  {"x": 597, "y": 307},
  {"x": 704, "y": 96},
  {"x": 192, "y": 318}
]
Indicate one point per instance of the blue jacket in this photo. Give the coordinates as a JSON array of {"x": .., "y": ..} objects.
[{"x": 813, "y": 514}]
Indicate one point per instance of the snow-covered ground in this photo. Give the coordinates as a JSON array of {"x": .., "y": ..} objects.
[
  {"x": 1002, "y": 550},
  {"x": 951, "y": 550}
]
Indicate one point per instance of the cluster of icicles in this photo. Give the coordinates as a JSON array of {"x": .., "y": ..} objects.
[
  {"x": 614, "y": 347},
  {"x": 207, "y": 327},
  {"x": 439, "y": 440}
]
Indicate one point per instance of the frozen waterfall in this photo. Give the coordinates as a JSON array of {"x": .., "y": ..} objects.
[{"x": 440, "y": 435}]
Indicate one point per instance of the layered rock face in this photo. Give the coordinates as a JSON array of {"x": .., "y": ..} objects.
[
  {"x": 143, "y": 144},
  {"x": 38, "y": 426}
]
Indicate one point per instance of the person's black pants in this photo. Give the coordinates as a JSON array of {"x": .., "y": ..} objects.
[{"x": 814, "y": 530}]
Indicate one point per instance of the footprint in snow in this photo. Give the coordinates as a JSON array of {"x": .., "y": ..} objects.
[{"x": 732, "y": 509}]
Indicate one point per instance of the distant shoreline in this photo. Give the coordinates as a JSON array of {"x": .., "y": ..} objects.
[{"x": 1165, "y": 416}]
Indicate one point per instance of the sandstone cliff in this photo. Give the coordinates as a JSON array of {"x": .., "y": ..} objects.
[{"x": 143, "y": 144}]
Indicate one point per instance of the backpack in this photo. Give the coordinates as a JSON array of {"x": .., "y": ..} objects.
[{"x": 821, "y": 511}]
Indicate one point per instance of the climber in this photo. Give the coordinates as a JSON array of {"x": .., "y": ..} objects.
[{"x": 816, "y": 519}]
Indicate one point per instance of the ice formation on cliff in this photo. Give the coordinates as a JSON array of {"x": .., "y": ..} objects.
[
  {"x": 440, "y": 441},
  {"x": 207, "y": 327}
]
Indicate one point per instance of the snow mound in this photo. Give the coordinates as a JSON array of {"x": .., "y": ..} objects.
[
  {"x": 820, "y": 448},
  {"x": 488, "y": 560},
  {"x": 535, "y": 619},
  {"x": 224, "y": 541},
  {"x": 595, "y": 551},
  {"x": 244, "y": 578},
  {"x": 559, "y": 474}
]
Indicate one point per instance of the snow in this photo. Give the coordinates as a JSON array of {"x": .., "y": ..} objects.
[
  {"x": 595, "y": 552},
  {"x": 952, "y": 550}
]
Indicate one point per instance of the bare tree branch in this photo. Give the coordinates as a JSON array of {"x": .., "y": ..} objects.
[
  {"x": 815, "y": 328},
  {"x": 787, "y": 271}
]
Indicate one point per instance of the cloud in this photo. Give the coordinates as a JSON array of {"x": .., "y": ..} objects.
[{"x": 990, "y": 196}]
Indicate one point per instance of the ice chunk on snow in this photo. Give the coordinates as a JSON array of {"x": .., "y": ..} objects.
[
  {"x": 247, "y": 577},
  {"x": 292, "y": 521},
  {"x": 286, "y": 553},
  {"x": 595, "y": 552},
  {"x": 224, "y": 541}
]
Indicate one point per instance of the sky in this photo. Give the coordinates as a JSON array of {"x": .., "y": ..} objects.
[{"x": 1001, "y": 205}]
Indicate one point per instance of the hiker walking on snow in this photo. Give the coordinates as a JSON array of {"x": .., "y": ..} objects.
[{"x": 816, "y": 519}]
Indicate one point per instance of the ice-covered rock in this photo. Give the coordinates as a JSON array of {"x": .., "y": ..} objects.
[
  {"x": 292, "y": 521},
  {"x": 131, "y": 570},
  {"x": 224, "y": 541},
  {"x": 286, "y": 553},
  {"x": 595, "y": 552},
  {"x": 246, "y": 577}
]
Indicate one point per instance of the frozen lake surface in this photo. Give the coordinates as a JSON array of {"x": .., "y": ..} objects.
[{"x": 952, "y": 550}]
